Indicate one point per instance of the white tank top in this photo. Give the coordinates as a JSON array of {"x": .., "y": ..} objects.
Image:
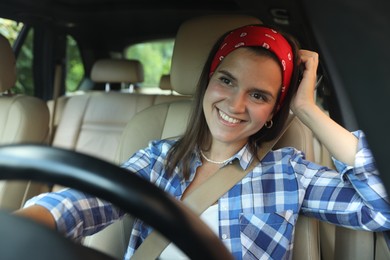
[{"x": 210, "y": 217}]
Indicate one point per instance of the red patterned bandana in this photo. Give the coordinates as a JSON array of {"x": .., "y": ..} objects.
[{"x": 267, "y": 38}]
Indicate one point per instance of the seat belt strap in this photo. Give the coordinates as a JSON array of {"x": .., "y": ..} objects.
[
  {"x": 56, "y": 94},
  {"x": 206, "y": 195}
]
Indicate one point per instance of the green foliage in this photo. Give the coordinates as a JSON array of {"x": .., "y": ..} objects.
[
  {"x": 10, "y": 29},
  {"x": 25, "y": 81},
  {"x": 74, "y": 65},
  {"x": 24, "y": 84},
  {"x": 155, "y": 58}
]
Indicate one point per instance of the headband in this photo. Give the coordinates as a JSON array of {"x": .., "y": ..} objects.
[{"x": 261, "y": 36}]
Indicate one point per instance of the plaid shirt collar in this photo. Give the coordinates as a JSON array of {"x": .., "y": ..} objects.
[{"x": 244, "y": 156}]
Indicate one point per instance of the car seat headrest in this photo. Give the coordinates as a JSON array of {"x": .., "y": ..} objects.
[
  {"x": 165, "y": 82},
  {"x": 117, "y": 71},
  {"x": 7, "y": 65},
  {"x": 194, "y": 40}
]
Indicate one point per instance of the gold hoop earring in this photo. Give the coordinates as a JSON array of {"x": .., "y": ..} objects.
[{"x": 269, "y": 124}]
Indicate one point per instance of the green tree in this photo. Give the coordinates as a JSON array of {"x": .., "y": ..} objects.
[
  {"x": 10, "y": 29},
  {"x": 74, "y": 65},
  {"x": 155, "y": 57}
]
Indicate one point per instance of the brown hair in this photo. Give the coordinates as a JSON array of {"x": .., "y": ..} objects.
[{"x": 198, "y": 134}]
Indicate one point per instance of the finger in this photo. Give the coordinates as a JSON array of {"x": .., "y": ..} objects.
[{"x": 309, "y": 58}]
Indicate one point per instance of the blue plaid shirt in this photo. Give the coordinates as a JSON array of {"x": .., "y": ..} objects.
[{"x": 258, "y": 215}]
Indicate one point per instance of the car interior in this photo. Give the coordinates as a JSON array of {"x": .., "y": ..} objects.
[
  {"x": 111, "y": 125},
  {"x": 24, "y": 119}
]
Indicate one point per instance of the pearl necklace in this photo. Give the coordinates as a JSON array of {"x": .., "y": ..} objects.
[{"x": 212, "y": 161}]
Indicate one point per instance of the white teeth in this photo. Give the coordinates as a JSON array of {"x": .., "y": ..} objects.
[{"x": 228, "y": 118}]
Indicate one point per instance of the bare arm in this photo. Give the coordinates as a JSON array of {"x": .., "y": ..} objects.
[
  {"x": 339, "y": 141},
  {"x": 38, "y": 214}
]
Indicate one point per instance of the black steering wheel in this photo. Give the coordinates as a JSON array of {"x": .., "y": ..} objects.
[{"x": 128, "y": 191}]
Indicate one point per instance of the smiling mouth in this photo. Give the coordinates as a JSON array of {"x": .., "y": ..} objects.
[{"x": 227, "y": 118}]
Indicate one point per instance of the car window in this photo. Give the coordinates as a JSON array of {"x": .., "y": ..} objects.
[
  {"x": 155, "y": 57},
  {"x": 24, "y": 59},
  {"x": 11, "y": 29},
  {"x": 74, "y": 65},
  {"x": 24, "y": 66}
]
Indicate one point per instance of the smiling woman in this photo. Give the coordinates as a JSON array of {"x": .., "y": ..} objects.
[
  {"x": 258, "y": 215},
  {"x": 241, "y": 95},
  {"x": 104, "y": 29}
]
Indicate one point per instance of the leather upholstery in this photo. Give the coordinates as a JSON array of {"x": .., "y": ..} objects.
[
  {"x": 7, "y": 65},
  {"x": 92, "y": 123},
  {"x": 117, "y": 71},
  {"x": 23, "y": 119},
  {"x": 165, "y": 82}
]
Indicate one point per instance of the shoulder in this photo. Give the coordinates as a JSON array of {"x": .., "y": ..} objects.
[
  {"x": 283, "y": 154},
  {"x": 156, "y": 150},
  {"x": 160, "y": 147}
]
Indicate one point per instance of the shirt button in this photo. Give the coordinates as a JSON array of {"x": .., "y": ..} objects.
[{"x": 224, "y": 236}]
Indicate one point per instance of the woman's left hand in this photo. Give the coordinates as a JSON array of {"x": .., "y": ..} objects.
[
  {"x": 341, "y": 144},
  {"x": 304, "y": 98}
]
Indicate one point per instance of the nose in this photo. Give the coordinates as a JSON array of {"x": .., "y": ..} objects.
[{"x": 236, "y": 103}]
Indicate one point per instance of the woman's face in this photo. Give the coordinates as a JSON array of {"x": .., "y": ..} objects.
[{"x": 241, "y": 95}]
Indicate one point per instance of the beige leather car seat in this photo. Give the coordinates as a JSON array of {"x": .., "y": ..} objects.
[
  {"x": 108, "y": 71},
  {"x": 165, "y": 83},
  {"x": 93, "y": 122},
  {"x": 169, "y": 120},
  {"x": 23, "y": 119}
]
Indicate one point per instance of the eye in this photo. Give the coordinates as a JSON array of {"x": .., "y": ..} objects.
[
  {"x": 258, "y": 96},
  {"x": 225, "y": 80}
]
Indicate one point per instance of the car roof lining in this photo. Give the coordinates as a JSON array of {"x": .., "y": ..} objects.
[{"x": 77, "y": 17}]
